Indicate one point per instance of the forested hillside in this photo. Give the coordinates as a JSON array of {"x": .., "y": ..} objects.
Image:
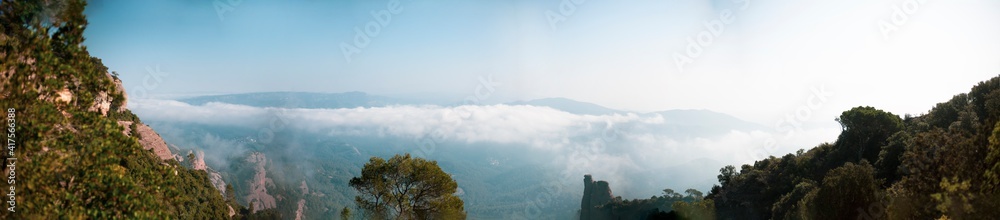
[
  {"x": 943, "y": 164},
  {"x": 77, "y": 149}
]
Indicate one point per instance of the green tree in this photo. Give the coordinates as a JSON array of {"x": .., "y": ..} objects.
[
  {"x": 954, "y": 200},
  {"x": 669, "y": 193},
  {"x": 695, "y": 210},
  {"x": 891, "y": 157},
  {"x": 865, "y": 131},
  {"x": 787, "y": 207},
  {"x": 846, "y": 192},
  {"x": 345, "y": 214},
  {"x": 993, "y": 159},
  {"x": 407, "y": 188},
  {"x": 726, "y": 174},
  {"x": 693, "y": 193},
  {"x": 991, "y": 190}
]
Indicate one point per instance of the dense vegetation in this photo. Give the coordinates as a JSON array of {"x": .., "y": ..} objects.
[
  {"x": 72, "y": 161},
  {"x": 404, "y": 187},
  {"x": 943, "y": 164},
  {"x": 670, "y": 205}
]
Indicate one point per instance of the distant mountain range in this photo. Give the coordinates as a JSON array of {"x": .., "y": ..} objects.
[
  {"x": 299, "y": 100},
  {"x": 571, "y": 106}
]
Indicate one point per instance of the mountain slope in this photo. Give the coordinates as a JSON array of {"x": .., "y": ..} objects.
[
  {"x": 78, "y": 151},
  {"x": 941, "y": 165}
]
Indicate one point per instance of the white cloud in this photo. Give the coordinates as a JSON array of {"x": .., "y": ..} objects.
[
  {"x": 612, "y": 147},
  {"x": 542, "y": 128}
]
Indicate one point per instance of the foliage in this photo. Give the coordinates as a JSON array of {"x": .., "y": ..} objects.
[
  {"x": 943, "y": 164},
  {"x": 655, "y": 207},
  {"x": 865, "y": 131},
  {"x": 73, "y": 162},
  {"x": 345, "y": 214},
  {"x": 846, "y": 191},
  {"x": 699, "y": 209},
  {"x": 407, "y": 188}
]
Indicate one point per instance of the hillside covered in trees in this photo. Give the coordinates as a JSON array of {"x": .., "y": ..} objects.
[
  {"x": 943, "y": 164},
  {"x": 79, "y": 154}
]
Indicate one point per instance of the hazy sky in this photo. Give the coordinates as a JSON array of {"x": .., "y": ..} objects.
[{"x": 758, "y": 60}]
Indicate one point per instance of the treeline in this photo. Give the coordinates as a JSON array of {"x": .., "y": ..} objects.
[{"x": 943, "y": 164}]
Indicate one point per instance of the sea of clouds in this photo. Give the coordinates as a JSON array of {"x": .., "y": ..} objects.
[{"x": 613, "y": 147}]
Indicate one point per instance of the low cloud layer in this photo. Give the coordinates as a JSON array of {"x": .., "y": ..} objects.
[{"x": 612, "y": 147}]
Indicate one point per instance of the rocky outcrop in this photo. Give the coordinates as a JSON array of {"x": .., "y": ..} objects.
[
  {"x": 64, "y": 96},
  {"x": 150, "y": 140},
  {"x": 198, "y": 163},
  {"x": 595, "y": 194},
  {"x": 103, "y": 101},
  {"x": 128, "y": 127},
  {"x": 599, "y": 204},
  {"x": 258, "y": 197},
  {"x": 121, "y": 89},
  {"x": 300, "y": 212}
]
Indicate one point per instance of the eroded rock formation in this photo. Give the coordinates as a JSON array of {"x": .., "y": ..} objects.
[
  {"x": 258, "y": 198},
  {"x": 215, "y": 177},
  {"x": 594, "y": 194},
  {"x": 150, "y": 140}
]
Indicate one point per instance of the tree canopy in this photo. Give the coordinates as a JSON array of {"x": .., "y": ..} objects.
[
  {"x": 404, "y": 187},
  {"x": 943, "y": 164}
]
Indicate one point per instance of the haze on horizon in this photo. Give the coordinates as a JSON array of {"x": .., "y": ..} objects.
[
  {"x": 766, "y": 62},
  {"x": 760, "y": 66}
]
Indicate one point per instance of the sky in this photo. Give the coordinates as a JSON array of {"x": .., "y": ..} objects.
[{"x": 759, "y": 60}]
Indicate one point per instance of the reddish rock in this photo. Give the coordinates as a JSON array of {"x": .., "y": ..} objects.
[{"x": 150, "y": 140}]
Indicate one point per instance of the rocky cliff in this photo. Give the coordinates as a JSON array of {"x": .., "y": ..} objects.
[
  {"x": 214, "y": 176},
  {"x": 152, "y": 141},
  {"x": 258, "y": 198},
  {"x": 595, "y": 194}
]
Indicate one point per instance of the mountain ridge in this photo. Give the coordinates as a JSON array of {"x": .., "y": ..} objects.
[{"x": 356, "y": 99}]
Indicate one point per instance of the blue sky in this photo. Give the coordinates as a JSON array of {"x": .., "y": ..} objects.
[{"x": 761, "y": 66}]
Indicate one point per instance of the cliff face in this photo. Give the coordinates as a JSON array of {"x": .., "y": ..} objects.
[
  {"x": 258, "y": 198},
  {"x": 215, "y": 177},
  {"x": 595, "y": 194},
  {"x": 150, "y": 140}
]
